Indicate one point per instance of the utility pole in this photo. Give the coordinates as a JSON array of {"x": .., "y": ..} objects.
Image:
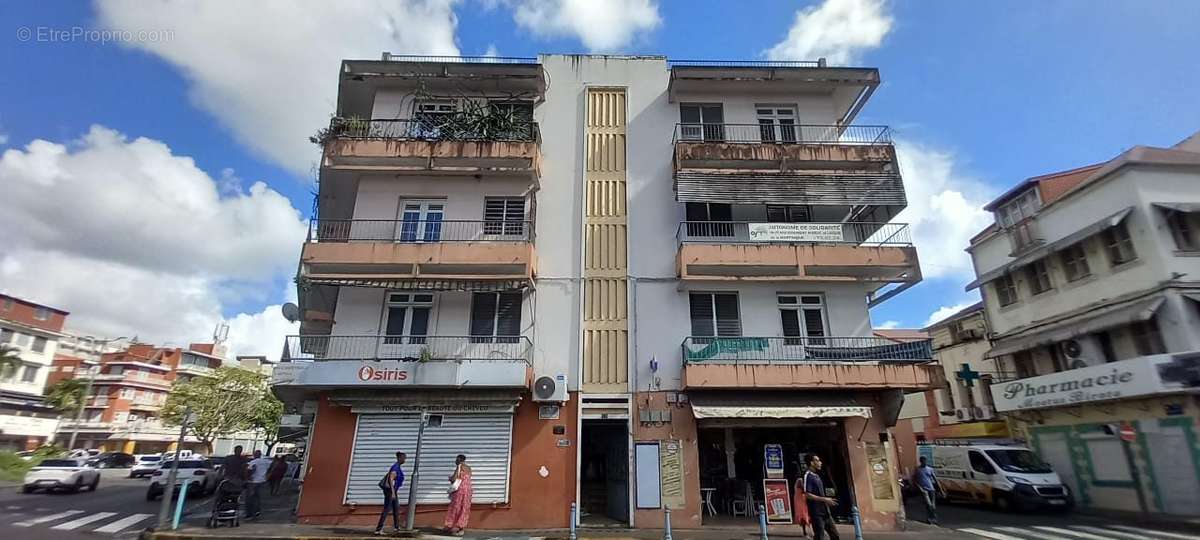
[
  {"x": 412, "y": 486},
  {"x": 164, "y": 510},
  {"x": 87, "y": 393}
]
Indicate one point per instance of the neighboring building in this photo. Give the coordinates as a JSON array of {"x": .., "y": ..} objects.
[
  {"x": 77, "y": 353},
  {"x": 711, "y": 237},
  {"x": 1091, "y": 283},
  {"x": 34, "y": 331}
]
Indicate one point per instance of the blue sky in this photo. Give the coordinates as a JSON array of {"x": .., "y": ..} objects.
[{"x": 980, "y": 94}]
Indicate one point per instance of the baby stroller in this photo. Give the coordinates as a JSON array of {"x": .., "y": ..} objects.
[{"x": 226, "y": 505}]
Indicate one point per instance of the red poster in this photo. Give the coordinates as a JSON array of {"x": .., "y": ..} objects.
[{"x": 778, "y": 501}]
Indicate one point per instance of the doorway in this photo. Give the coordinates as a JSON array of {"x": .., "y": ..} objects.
[{"x": 604, "y": 474}]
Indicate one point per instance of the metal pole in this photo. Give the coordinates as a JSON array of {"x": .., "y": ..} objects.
[
  {"x": 574, "y": 509},
  {"x": 87, "y": 393},
  {"x": 858, "y": 522},
  {"x": 667, "y": 524},
  {"x": 762, "y": 521},
  {"x": 412, "y": 486},
  {"x": 164, "y": 510},
  {"x": 179, "y": 505}
]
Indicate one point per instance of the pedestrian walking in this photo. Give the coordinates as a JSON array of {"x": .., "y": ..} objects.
[
  {"x": 258, "y": 478},
  {"x": 233, "y": 468},
  {"x": 818, "y": 503},
  {"x": 927, "y": 482},
  {"x": 460, "y": 491},
  {"x": 390, "y": 484},
  {"x": 275, "y": 474},
  {"x": 799, "y": 503}
]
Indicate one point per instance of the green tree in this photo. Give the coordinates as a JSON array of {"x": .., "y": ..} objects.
[
  {"x": 66, "y": 395},
  {"x": 266, "y": 420},
  {"x": 231, "y": 400}
]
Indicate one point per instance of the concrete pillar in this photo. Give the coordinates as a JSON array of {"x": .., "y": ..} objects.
[
  {"x": 730, "y": 450},
  {"x": 129, "y": 447},
  {"x": 1179, "y": 323}
]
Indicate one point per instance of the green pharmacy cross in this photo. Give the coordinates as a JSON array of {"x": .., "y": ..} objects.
[{"x": 967, "y": 375}]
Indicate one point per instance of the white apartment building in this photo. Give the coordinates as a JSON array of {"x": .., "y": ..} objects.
[
  {"x": 33, "y": 331},
  {"x": 1091, "y": 288},
  {"x": 622, "y": 281}
]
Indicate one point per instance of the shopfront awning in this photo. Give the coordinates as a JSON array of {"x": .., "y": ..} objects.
[
  {"x": 1096, "y": 320},
  {"x": 1057, "y": 245},
  {"x": 768, "y": 406}
]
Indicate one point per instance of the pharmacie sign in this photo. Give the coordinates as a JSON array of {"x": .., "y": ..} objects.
[{"x": 1142, "y": 376}]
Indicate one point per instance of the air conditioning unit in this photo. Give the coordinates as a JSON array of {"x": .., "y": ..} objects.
[
  {"x": 550, "y": 389},
  {"x": 1074, "y": 352},
  {"x": 970, "y": 333},
  {"x": 964, "y": 414},
  {"x": 986, "y": 412}
]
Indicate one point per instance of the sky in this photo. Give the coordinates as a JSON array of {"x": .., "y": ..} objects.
[{"x": 157, "y": 177}]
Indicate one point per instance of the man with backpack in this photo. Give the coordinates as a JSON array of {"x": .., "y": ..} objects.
[{"x": 390, "y": 484}]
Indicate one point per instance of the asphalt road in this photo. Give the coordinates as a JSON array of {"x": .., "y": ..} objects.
[{"x": 117, "y": 509}]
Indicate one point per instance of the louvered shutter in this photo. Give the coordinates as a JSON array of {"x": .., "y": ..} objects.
[
  {"x": 701, "y": 313},
  {"x": 728, "y": 321},
  {"x": 483, "y": 316},
  {"x": 508, "y": 316},
  {"x": 504, "y": 215}
]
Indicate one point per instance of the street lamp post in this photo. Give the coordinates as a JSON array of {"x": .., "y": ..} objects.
[{"x": 87, "y": 393}]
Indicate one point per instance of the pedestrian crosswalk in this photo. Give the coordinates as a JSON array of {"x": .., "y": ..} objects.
[
  {"x": 1074, "y": 532},
  {"x": 107, "y": 523}
]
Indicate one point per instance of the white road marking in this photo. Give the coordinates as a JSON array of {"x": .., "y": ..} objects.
[
  {"x": 125, "y": 523},
  {"x": 12, "y": 507},
  {"x": 44, "y": 519},
  {"x": 1157, "y": 534},
  {"x": 75, "y": 524},
  {"x": 1119, "y": 534},
  {"x": 1076, "y": 534},
  {"x": 1038, "y": 535},
  {"x": 990, "y": 534}
]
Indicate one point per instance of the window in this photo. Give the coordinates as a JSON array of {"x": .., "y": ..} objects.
[
  {"x": 127, "y": 393},
  {"x": 776, "y": 123},
  {"x": 1118, "y": 244},
  {"x": 704, "y": 219},
  {"x": 1039, "y": 276},
  {"x": 1075, "y": 263},
  {"x": 22, "y": 340},
  {"x": 6, "y": 335},
  {"x": 1146, "y": 337},
  {"x": 504, "y": 216},
  {"x": 116, "y": 370},
  {"x": 789, "y": 214},
  {"x": 715, "y": 314},
  {"x": 979, "y": 463},
  {"x": 803, "y": 316},
  {"x": 39, "y": 344},
  {"x": 495, "y": 315},
  {"x": 30, "y": 374},
  {"x": 1058, "y": 360},
  {"x": 1106, "y": 346},
  {"x": 41, "y": 313},
  {"x": 68, "y": 369},
  {"x": 407, "y": 317},
  {"x": 1024, "y": 365},
  {"x": 1019, "y": 209},
  {"x": 702, "y": 121},
  {"x": 8, "y": 303},
  {"x": 143, "y": 374},
  {"x": 429, "y": 116},
  {"x": 421, "y": 221},
  {"x": 1006, "y": 289},
  {"x": 1183, "y": 231}
]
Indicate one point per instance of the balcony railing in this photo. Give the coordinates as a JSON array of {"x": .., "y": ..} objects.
[
  {"x": 377, "y": 347},
  {"x": 443, "y": 127},
  {"x": 803, "y": 349},
  {"x": 434, "y": 59},
  {"x": 782, "y": 134},
  {"x": 747, "y": 63},
  {"x": 418, "y": 231},
  {"x": 741, "y": 232}
]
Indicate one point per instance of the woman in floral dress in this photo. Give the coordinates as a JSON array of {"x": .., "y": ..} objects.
[{"x": 460, "y": 498}]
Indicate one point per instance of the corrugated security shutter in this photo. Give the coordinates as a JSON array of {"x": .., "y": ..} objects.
[{"x": 486, "y": 440}]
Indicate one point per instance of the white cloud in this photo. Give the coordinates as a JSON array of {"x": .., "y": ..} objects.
[
  {"x": 945, "y": 209},
  {"x": 268, "y": 70},
  {"x": 945, "y": 311},
  {"x": 492, "y": 50},
  {"x": 837, "y": 30},
  {"x": 3, "y": 139},
  {"x": 602, "y": 26},
  {"x": 134, "y": 240},
  {"x": 888, "y": 325}
]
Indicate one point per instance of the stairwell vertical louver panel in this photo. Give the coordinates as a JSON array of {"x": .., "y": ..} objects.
[{"x": 605, "y": 244}]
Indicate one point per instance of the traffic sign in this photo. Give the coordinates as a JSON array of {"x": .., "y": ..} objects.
[{"x": 1127, "y": 432}]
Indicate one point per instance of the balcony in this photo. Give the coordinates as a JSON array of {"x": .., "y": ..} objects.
[
  {"x": 408, "y": 348},
  {"x": 430, "y": 254},
  {"x": 193, "y": 369},
  {"x": 128, "y": 379},
  {"x": 877, "y": 252},
  {"x": 807, "y": 362},
  {"x": 783, "y": 148},
  {"x": 433, "y": 146}
]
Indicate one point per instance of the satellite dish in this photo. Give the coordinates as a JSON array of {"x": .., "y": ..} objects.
[{"x": 291, "y": 312}]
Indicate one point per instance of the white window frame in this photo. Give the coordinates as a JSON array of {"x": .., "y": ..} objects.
[
  {"x": 1007, "y": 283},
  {"x": 29, "y": 374},
  {"x": 424, "y": 208},
  {"x": 1019, "y": 209},
  {"x": 508, "y": 223},
  {"x": 41, "y": 313},
  {"x": 800, "y": 306},
  {"x": 408, "y": 301},
  {"x": 1183, "y": 230},
  {"x": 1118, "y": 238},
  {"x": 1038, "y": 275},
  {"x": 127, "y": 393},
  {"x": 1070, "y": 261},
  {"x": 706, "y": 130},
  {"x": 713, "y": 312},
  {"x": 774, "y": 117}
]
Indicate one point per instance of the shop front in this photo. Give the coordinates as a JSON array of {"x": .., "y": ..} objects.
[
  {"x": 522, "y": 452},
  {"x": 1122, "y": 435}
]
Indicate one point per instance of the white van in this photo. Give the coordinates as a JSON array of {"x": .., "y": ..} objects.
[{"x": 1008, "y": 476}]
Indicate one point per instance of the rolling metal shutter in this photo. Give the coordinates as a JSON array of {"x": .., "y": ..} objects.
[{"x": 486, "y": 440}]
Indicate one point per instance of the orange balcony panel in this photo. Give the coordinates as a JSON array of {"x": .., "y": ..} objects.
[
  {"x": 810, "y": 375},
  {"x": 782, "y": 157},
  {"x": 419, "y": 156},
  {"x": 798, "y": 262},
  {"x": 448, "y": 260}
]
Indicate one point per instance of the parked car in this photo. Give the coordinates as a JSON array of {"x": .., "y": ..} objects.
[
  {"x": 112, "y": 460},
  {"x": 198, "y": 470},
  {"x": 83, "y": 453},
  {"x": 144, "y": 465},
  {"x": 69, "y": 474}
]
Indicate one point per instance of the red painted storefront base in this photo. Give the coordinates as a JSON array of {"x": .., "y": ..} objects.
[{"x": 534, "y": 502}]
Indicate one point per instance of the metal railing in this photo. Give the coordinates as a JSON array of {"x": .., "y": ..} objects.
[
  {"x": 418, "y": 231},
  {"x": 744, "y": 232},
  {"x": 747, "y": 63},
  {"x": 436, "y": 59},
  {"x": 433, "y": 128},
  {"x": 803, "y": 349},
  {"x": 383, "y": 347},
  {"x": 782, "y": 134}
]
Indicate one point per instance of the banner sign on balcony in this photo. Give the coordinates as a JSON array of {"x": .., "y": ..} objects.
[
  {"x": 797, "y": 232},
  {"x": 723, "y": 346},
  {"x": 1141, "y": 376}
]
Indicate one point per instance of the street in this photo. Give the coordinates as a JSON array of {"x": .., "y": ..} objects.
[
  {"x": 974, "y": 521},
  {"x": 118, "y": 508}
]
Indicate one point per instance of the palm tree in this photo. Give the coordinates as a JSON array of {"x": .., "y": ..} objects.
[
  {"x": 65, "y": 395},
  {"x": 10, "y": 360}
]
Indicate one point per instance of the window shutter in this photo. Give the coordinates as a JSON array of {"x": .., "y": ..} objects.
[
  {"x": 483, "y": 313},
  {"x": 814, "y": 324},
  {"x": 777, "y": 214},
  {"x": 791, "y": 322},
  {"x": 702, "y": 317},
  {"x": 420, "y": 321},
  {"x": 728, "y": 322},
  {"x": 395, "y": 321},
  {"x": 509, "y": 314}
]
